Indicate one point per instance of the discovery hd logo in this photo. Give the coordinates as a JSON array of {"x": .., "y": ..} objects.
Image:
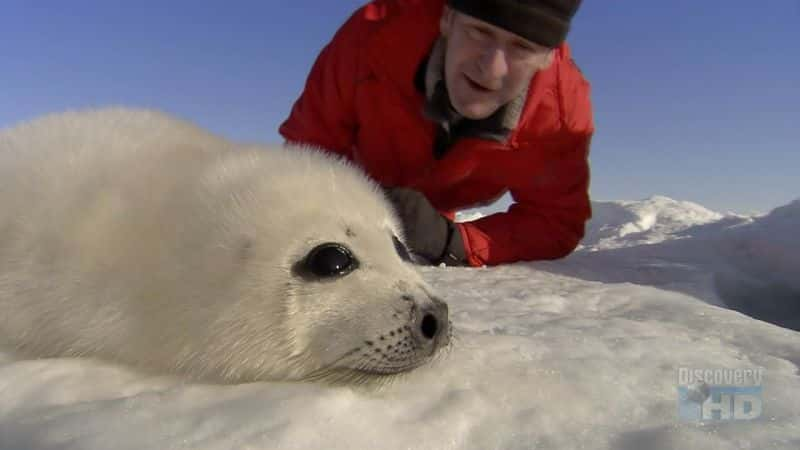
[{"x": 719, "y": 394}]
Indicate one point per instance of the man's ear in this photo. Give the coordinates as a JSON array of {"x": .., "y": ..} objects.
[{"x": 446, "y": 21}]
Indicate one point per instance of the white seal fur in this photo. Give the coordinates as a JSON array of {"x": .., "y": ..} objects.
[{"x": 135, "y": 237}]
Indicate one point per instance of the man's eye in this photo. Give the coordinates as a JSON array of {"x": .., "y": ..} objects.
[
  {"x": 525, "y": 52},
  {"x": 523, "y": 48},
  {"x": 477, "y": 33}
]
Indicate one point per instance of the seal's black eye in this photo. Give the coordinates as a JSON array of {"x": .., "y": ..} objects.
[
  {"x": 401, "y": 249},
  {"x": 330, "y": 259}
]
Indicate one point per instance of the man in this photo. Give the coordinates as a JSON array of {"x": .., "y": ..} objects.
[{"x": 449, "y": 107}]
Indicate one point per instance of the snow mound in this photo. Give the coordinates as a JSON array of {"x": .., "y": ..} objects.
[
  {"x": 625, "y": 223},
  {"x": 769, "y": 247},
  {"x": 750, "y": 264},
  {"x": 761, "y": 271}
]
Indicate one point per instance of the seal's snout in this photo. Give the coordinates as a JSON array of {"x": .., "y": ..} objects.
[{"x": 432, "y": 325}]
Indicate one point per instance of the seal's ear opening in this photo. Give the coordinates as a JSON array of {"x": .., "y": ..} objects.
[
  {"x": 401, "y": 249},
  {"x": 326, "y": 261}
]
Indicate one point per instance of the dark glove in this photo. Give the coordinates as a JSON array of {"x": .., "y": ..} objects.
[{"x": 428, "y": 234}]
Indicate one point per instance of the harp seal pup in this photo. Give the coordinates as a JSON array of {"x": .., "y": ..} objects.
[{"x": 135, "y": 237}]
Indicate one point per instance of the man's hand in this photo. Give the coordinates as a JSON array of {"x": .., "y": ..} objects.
[{"x": 427, "y": 233}]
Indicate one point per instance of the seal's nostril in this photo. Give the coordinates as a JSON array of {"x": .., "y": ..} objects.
[{"x": 429, "y": 326}]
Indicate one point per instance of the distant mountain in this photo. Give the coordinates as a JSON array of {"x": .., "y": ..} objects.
[{"x": 623, "y": 223}]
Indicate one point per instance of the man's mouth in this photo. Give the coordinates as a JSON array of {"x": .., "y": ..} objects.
[{"x": 477, "y": 86}]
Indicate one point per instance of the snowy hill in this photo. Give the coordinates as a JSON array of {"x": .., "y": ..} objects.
[
  {"x": 751, "y": 264},
  {"x": 582, "y": 352},
  {"x": 656, "y": 219}
]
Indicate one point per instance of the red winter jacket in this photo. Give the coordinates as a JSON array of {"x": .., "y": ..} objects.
[{"x": 360, "y": 101}]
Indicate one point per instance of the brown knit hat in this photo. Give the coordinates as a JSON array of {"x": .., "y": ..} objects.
[{"x": 545, "y": 22}]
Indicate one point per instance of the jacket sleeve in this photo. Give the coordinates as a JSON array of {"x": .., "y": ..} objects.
[
  {"x": 324, "y": 114},
  {"x": 548, "y": 217}
]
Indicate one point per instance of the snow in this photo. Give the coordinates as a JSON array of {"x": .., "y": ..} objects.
[
  {"x": 751, "y": 264},
  {"x": 642, "y": 222},
  {"x": 577, "y": 353}
]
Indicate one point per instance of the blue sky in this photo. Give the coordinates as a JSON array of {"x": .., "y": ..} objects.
[{"x": 696, "y": 100}]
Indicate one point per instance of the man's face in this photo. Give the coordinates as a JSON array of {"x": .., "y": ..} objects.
[{"x": 486, "y": 66}]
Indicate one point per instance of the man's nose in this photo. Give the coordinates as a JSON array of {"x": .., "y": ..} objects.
[{"x": 493, "y": 62}]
